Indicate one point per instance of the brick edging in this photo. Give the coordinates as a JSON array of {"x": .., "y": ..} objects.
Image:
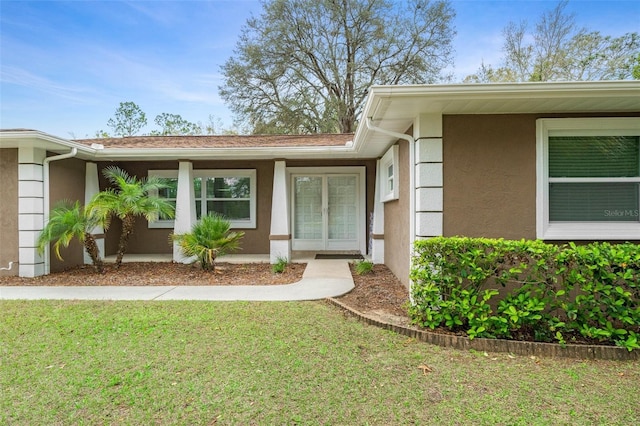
[{"x": 515, "y": 347}]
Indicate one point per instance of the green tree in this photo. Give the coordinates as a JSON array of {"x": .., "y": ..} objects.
[
  {"x": 128, "y": 119},
  {"x": 174, "y": 125},
  {"x": 69, "y": 221},
  {"x": 209, "y": 238},
  {"x": 129, "y": 198},
  {"x": 215, "y": 126},
  {"x": 561, "y": 52},
  {"x": 305, "y": 66},
  {"x": 636, "y": 68},
  {"x": 487, "y": 74}
]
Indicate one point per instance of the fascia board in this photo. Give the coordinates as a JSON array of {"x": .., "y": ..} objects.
[
  {"x": 384, "y": 99},
  {"x": 224, "y": 153},
  {"x": 36, "y": 137},
  {"x": 371, "y": 105},
  {"x": 19, "y": 137},
  {"x": 521, "y": 97},
  {"x": 498, "y": 90}
]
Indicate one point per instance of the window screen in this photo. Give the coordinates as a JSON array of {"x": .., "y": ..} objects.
[{"x": 585, "y": 178}]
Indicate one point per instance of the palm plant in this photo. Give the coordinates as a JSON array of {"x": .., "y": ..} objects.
[
  {"x": 209, "y": 238},
  {"x": 128, "y": 198},
  {"x": 68, "y": 221}
]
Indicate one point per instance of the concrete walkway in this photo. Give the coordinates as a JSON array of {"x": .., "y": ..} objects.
[{"x": 321, "y": 279}]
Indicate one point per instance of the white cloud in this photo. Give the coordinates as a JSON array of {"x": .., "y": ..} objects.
[{"x": 21, "y": 77}]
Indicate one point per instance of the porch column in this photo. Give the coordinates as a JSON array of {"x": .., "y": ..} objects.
[
  {"x": 91, "y": 188},
  {"x": 280, "y": 236},
  {"x": 185, "y": 207},
  {"x": 377, "y": 226},
  {"x": 30, "y": 210},
  {"x": 429, "y": 176}
]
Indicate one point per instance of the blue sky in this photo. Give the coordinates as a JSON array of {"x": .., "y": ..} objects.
[{"x": 65, "y": 66}]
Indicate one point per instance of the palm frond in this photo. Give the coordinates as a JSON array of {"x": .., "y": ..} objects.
[
  {"x": 66, "y": 222},
  {"x": 117, "y": 176},
  {"x": 209, "y": 238}
]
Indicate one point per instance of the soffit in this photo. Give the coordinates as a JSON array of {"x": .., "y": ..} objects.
[{"x": 396, "y": 107}]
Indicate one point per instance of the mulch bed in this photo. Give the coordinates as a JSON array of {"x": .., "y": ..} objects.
[
  {"x": 164, "y": 274},
  {"x": 378, "y": 291}
]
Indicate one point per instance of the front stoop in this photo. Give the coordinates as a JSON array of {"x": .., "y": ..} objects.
[{"x": 516, "y": 347}]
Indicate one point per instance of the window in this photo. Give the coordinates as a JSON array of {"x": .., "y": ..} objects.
[
  {"x": 231, "y": 193},
  {"x": 389, "y": 175},
  {"x": 170, "y": 193},
  {"x": 588, "y": 178}
]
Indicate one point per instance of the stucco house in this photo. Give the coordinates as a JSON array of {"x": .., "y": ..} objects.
[{"x": 554, "y": 161}]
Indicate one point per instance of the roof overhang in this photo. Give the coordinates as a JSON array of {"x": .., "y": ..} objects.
[
  {"x": 37, "y": 139},
  {"x": 254, "y": 153},
  {"x": 395, "y": 108}
]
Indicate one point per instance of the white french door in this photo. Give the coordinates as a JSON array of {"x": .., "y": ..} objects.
[{"x": 326, "y": 211}]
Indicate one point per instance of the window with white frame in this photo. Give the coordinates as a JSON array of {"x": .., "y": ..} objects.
[
  {"x": 231, "y": 193},
  {"x": 170, "y": 193},
  {"x": 389, "y": 175},
  {"x": 588, "y": 178}
]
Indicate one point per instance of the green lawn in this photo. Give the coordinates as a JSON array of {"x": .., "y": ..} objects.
[{"x": 276, "y": 363}]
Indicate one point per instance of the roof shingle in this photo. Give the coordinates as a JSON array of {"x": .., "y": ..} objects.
[{"x": 222, "y": 141}]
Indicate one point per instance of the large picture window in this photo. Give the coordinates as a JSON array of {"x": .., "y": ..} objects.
[
  {"x": 589, "y": 178},
  {"x": 231, "y": 193}
]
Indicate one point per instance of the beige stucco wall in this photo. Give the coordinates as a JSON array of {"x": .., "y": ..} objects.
[
  {"x": 9, "y": 210},
  {"x": 489, "y": 176},
  {"x": 397, "y": 222},
  {"x": 66, "y": 182},
  {"x": 145, "y": 240}
]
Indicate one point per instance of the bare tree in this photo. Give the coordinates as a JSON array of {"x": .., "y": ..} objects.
[
  {"x": 560, "y": 51},
  {"x": 304, "y": 66}
]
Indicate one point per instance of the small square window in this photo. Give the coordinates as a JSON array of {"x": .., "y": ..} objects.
[{"x": 388, "y": 178}]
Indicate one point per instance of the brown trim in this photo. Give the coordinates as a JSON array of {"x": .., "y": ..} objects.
[
  {"x": 98, "y": 236},
  {"x": 377, "y": 236},
  {"x": 517, "y": 347},
  {"x": 279, "y": 237}
]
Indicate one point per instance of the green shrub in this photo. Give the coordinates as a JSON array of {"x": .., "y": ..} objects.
[
  {"x": 363, "y": 267},
  {"x": 553, "y": 293},
  {"x": 280, "y": 265}
]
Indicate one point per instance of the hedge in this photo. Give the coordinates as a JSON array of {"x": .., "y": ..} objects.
[{"x": 528, "y": 290}]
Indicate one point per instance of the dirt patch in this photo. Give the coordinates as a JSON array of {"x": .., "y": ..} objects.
[{"x": 377, "y": 292}]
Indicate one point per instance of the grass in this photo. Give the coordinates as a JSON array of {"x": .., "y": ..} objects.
[
  {"x": 363, "y": 267},
  {"x": 280, "y": 265},
  {"x": 65, "y": 362}
]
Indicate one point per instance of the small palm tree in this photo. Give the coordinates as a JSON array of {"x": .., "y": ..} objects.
[
  {"x": 68, "y": 221},
  {"x": 128, "y": 198},
  {"x": 208, "y": 239}
]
